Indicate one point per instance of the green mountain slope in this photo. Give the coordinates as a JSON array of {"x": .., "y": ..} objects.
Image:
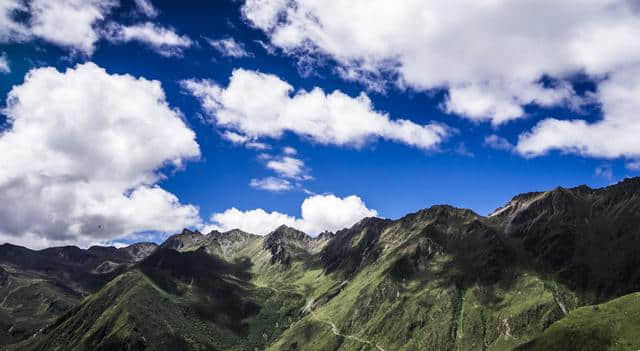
[
  {"x": 439, "y": 279},
  {"x": 174, "y": 300},
  {"x": 36, "y": 287},
  {"x": 609, "y": 326}
]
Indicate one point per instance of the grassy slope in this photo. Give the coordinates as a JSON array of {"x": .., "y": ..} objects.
[
  {"x": 609, "y": 326},
  {"x": 132, "y": 312},
  {"x": 37, "y": 287},
  {"x": 27, "y": 302},
  {"x": 440, "y": 279},
  {"x": 155, "y": 307},
  {"x": 428, "y": 311},
  {"x": 425, "y": 316}
]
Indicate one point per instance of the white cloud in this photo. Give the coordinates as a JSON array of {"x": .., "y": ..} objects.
[
  {"x": 288, "y": 150},
  {"x": 258, "y": 105},
  {"x": 498, "y": 143},
  {"x": 147, "y": 8},
  {"x": 164, "y": 41},
  {"x": 81, "y": 157},
  {"x": 235, "y": 137},
  {"x": 257, "y": 145},
  {"x": 319, "y": 213},
  {"x": 501, "y": 104},
  {"x": 4, "y": 64},
  {"x": 256, "y": 221},
  {"x": 80, "y": 24},
  {"x": 229, "y": 47},
  {"x": 240, "y": 139},
  {"x": 491, "y": 56},
  {"x": 616, "y": 135},
  {"x": 287, "y": 166},
  {"x": 604, "y": 171},
  {"x": 267, "y": 47},
  {"x": 69, "y": 23},
  {"x": 633, "y": 165},
  {"x": 271, "y": 184},
  {"x": 10, "y": 28}
]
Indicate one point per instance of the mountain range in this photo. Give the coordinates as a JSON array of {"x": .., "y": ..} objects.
[{"x": 551, "y": 270}]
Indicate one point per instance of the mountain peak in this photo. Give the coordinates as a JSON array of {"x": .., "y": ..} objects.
[
  {"x": 233, "y": 235},
  {"x": 439, "y": 213},
  {"x": 286, "y": 243},
  {"x": 140, "y": 251},
  {"x": 290, "y": 233},
  {"x": 326, "y": 235},
  {"x": 185, "y": 240}
]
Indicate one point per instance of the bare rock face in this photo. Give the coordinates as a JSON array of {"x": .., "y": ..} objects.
[
  {"x": 185, "y": 240},
  {"x": 286, "y": 243},
  {"x": 229, "y": 244},
  {"x": 140, "y": 251}
]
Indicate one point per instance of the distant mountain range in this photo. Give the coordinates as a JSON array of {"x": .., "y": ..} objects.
[{"x": 553, "y": 270}]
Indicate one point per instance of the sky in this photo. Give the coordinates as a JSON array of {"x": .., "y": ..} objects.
[{"x": 128, "y": 120}]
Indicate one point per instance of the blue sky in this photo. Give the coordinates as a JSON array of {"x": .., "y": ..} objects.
[{"x": 391, "y": 176}]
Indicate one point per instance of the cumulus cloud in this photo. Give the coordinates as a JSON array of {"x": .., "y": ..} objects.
[
  {"x": 4, "y": 64},
  {"x": 616, "y": 135},
  {"x": 69, "y": 23},
  {"x": 271, "y": 184},
  {"x": 79, "y": 24},
  {"x": 229, "y": 47},
  {"x": 262, "y": 105},
  {"x": 290, "y": 171},
  {"x": 80, "y": 158},
  {"x": 492, "y": 57},
  {"x": 10, "y": 28},
  {"x": 319, "y": 213},
  {"x": 164, "y": 41},
  {"x": 479, "y": 101},
  {"x": 287, "y": 166},
  {"x": 147, "y": 8},
  {"x": 498, "y": 143}
]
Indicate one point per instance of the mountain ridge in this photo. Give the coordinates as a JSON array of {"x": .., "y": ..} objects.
[{"x": 441, "y": 278}]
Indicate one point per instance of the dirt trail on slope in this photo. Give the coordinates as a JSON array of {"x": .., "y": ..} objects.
[
  {"x": 334, "y": 328},
  {"x": 336, "y": 332}
]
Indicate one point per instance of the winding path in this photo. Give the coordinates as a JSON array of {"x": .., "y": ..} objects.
[
  {"x": 334, "y": 328},
  {"x": 336, "y": 331}
]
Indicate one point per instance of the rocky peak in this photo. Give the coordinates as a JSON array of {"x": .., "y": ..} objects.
[
  {"x": 184, "y": 240},
  {"x": 438, "y": 215},
  {"x": 140, "y": 251},
  {"x": 375, "y": 224},
  {"x": 570, "y": 205},
  {"x": 286, "y": 243},
  {"x": 233, "y": 234},
  {"x": 326, "y": 235},
  {"x": 289, "y": 233}
]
